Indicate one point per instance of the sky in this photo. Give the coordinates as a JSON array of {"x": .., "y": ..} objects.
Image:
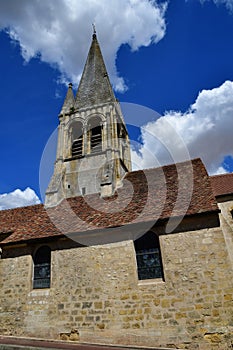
[{"x": 174, "y": 58}]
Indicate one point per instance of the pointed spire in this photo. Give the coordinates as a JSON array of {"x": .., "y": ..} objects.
[
  {"x": 95, "y": 87},
  {"x": 69, "y": 100}
]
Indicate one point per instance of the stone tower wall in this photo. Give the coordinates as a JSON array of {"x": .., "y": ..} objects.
[{"x": 89, "y": 171}]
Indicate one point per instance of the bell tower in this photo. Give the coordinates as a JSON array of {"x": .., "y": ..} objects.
[{"x": 93, "y": 150}]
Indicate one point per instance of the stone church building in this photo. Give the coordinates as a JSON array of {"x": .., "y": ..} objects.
[{"x": 115, "y": 256}]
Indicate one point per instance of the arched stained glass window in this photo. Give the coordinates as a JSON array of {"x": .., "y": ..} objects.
[
  {"x": 148, "y": 255},
  {"x": 42, "y": 266}
]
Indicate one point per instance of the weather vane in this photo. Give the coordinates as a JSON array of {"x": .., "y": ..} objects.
[{"x": 94, "y": 30}]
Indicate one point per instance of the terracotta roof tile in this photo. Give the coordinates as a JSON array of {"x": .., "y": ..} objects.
[
  {"x": 146, "y": 196},
  {"x": 222, "y": 184}
]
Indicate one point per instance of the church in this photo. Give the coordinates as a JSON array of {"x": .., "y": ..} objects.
[{"x": 114, "y": 256}]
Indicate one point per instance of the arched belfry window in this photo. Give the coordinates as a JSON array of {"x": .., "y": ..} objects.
[
  {"x": 148, "y": 255},
  {"x": 42, "y": 267},
  {"x": 95, "y": 135},
  {"x": 77, "y": 139}
]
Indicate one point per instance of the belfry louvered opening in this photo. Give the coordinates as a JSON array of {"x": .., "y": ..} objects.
[
  {"x": 77, "y": 146},
  {"x": 95, "y": 134},
  {"x": 77, "y": 140}
]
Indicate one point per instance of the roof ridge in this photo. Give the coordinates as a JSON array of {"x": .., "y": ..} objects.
[
  {"x": 23, "y": 207},
  {"x": 221, "y": 175},
  {"x": 194, "y": 160}
]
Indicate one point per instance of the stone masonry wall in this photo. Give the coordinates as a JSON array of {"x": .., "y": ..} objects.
[
  {"x": 226, "y": 220},
  {"x": 96, "y": 291}
]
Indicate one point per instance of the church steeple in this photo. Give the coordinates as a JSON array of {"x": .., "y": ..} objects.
[
  {"x": 95, "y": 87},
  {"x": 93, "y": 151}
]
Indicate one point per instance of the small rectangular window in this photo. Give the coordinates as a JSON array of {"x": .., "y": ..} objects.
[
  {"x": 149, "y": 264},
  {"x": 42, "y": 267},
  {"x": 148, "y": 255},
  {"x": 41, "y": 276}
]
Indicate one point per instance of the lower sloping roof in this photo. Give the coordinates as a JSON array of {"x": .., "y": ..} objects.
[
  {"x": 150, "y": 195},
  {"x": 222, "y": 184}
]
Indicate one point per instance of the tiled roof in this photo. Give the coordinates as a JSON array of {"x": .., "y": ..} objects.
[
  {"x": 145, "y": 196},
  {"x": 222, "y": 184}
]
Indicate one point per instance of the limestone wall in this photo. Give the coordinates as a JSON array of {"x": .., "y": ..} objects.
[
  {"x": 96, "y": 291},
  {"x": 226, "y": 220},
  {"x": 15, "y": 278}
]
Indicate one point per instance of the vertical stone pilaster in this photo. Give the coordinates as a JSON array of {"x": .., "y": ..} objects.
[
  {"x": 108, "y": 130},
  {"x": 67, "y": 149},
  {"x": 60, "y": 138},
  {"x": 104, "y": 136}
]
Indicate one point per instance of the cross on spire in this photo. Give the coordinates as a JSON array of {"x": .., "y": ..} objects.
[{"x": 94, "y": 30}]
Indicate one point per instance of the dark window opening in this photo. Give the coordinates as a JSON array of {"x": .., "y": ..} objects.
[
  {"x": 42, "y": 266},
  {"x": 96, "y": 139},
  {"x": 76, "y": 131},
  {"x": 77, "y": 148},
  {"x": 148, "y": 255}
]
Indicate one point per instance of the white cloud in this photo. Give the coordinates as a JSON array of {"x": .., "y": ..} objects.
[
  {"x": 59, "y": 31},
  {"x": 227, "y": 3},
  {"x": 220, "y": 171},
  {"x": 18, "y": 198},
  {"x": 205, "y": 131}
]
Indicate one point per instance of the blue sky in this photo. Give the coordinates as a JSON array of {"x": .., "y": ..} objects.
[{"x": 174, "y": 57}]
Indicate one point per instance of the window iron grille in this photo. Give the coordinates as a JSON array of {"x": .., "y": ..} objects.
[
  {"x": 149, "y": 264},
  {"x": 41, "y": 276},
  {"x": 42, "y": 267}
]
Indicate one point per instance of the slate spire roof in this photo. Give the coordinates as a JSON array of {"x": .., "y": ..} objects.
[
  {"x": 95, "y": 87},
  {"x": 69, "y": 100}
]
